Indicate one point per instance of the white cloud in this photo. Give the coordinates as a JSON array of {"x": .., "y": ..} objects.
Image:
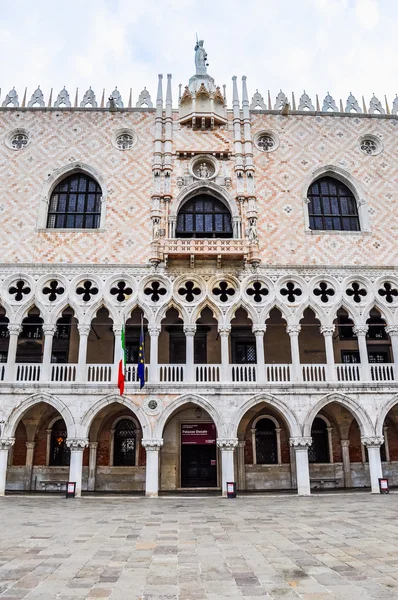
[{"x": 367, "y": 12}]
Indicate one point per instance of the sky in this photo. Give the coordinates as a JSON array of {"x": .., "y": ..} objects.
[{"x": 320, "y": 46}]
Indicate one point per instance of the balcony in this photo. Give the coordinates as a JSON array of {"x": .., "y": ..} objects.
[
  {"x": 231, "y": 248},
  {"x": 206, "y": 374}
]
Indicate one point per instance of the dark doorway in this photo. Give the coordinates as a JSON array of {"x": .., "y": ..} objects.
[{"x": 198, "y": 466}]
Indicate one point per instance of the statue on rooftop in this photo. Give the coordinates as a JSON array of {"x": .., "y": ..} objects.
[{"x": 200, "y": 58}]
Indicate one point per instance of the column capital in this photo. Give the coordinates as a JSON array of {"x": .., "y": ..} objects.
[
  {"x": 152, "y": 445},
  {"x": 327, "y": 329},
  {"x": 293, "y": 329},
  {"x": 259, "y": 329},
  {"x": 30, "y": 445},
  {"x": 14, "y": 329},
  {"x": 345, "y": 443},
  {"x": 392, "y": 330},
  {"x": 372, "y": 441},
  {"x": 154, "y": 330},
  {"x": 242, "y": 443},
  {"x": 360, "y": 330},
  {"x": 84, "y": 329},
  {"x": 77, "y": 444},
  {"x": 224, "y": 331},
  {"x": 49, "y": 329},
  {"x": 300, "y": 442},
  {"x": 117, "y": 329},
  {"x": 227, "y": 443},
  {"x": 6, "y": 443},
  {"x": 93, "y": 445},
  {"x": 189, "y": 330}
]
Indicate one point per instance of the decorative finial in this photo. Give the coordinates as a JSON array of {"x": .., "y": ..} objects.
[{"x": 200, "y": 58}]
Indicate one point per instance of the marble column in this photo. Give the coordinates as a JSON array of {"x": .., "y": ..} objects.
[
  {"x": 48, "y": 331},
  {"x": 293, "y": 331},
  {"x": 373, "y": 444},
  {"x": 345, "y": 451},
  {"x": 330, "y": 444},
  {"x": 227, "y": 447},
  {"x": 301, "y": 445},
  {"x": 361, "y": 331},
  {"x": 392, "y": 331},
  {"x": 154, "y": 332},
  {"x": 278, "y": 445},
  {"x": 241, "y": 465},
  {"x": 84, "y": 331},
  {"x": 76, "y": 446},
  {"x": 225, "y": 371},
  {"x": 152, "y": 448},
  {"x": 259, "y": 331},
  {"x": 117, "y": 332},
  {"x": 5, "y": 445},
  {"x": 189, "y": 331},
  {"x": 92, "y": 466},
  {"x": 330, "y": 364},
  {"x": 386, "y": 446},
  {"x": 14, "y": 331},
  {"x": 30, "y": 448}
]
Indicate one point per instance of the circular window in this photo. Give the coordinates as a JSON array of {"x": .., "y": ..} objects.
[
  {"x": 17, "y": 139},
  {"x": 124, "y": 139},
  {"x": 203, "y": 166},
  {"x": 266, "y": 141},
  {"x": 370, "y": 145}
]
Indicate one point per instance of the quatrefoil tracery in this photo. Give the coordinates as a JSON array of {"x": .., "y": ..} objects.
[
  {"x": 121, "y": 291},
  {"x": 155, "y": 291},
  {"x": 258, "y": 291},
  {"x": 19, "y": 289},
  {"x": 53, "y": 290},
  {"x": 291, "y": 291},
  {"x": 223, "y": 291},
  {"x": 87, "y": 290},
  {"x": 189, "y": 291},
  {"x": 356, "y": 292},
  {"x": 323, "y": 291},
  {"x": 388, "y": 293}
]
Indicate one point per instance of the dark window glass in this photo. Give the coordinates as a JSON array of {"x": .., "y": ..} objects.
[
  {"x": 204, "y": 217},
  {"x": 350, "y": 357},
  {"x": 335, "y": 202},
  {"x": 318, "y": 452},
  {"x": 75, "y": 203},
  {"x": 378, "y": 357},
  {"x": 245, "y": 352},
  {"x": 124, "y": 444},
  {"x": 59, "y": 451},
  {"x": 345, "y": 327},
  {"x": 266, "y": 447}
]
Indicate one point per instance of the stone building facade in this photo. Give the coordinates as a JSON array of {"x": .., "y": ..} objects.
[{"x": 256, "y": 245}]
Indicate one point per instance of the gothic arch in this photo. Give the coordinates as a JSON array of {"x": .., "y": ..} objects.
[
  {"x": 207, "y": 303},
  {"x": 385, "y": 312},
  {"x": 277, "y": 403},
  {"x": 319, "y": 313},
  {"x": 363, "y": 419},
  {"x": 59, "y": 175},
  {"x": 284, "y": 310},
  {"x": 348, "y": 180},
  {"x": 160, "y": 315},
  {"x": 18, "y": 412},
  {"x": 179, "y": 403},
  {"x": 383, "y": 414},
  {"x": 93, "y": 411},
  {"x": 23, "y": 311},
  {"x": 136, "y": 303},
  {"x": 93, "y": 310},
  {"x": 251, "y": 313},
  {"x": 57, "y": 313},
  {"x": 204, "y": 187}
]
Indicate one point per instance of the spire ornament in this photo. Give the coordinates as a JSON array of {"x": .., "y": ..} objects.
[{"x": 200, "y": 58}]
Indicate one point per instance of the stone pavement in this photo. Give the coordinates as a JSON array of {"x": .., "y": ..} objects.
[{"x": 128, "y": 548}]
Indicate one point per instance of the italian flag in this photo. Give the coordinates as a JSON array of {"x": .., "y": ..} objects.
[{"x": 122, "y": 364}]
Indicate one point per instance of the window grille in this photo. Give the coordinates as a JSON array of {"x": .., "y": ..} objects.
[
  {"x": 266, "y": 446},
  {"x": 75, "y": 203},
  {"x": 318, "y": 452},
  {"x": 124, "y": 444},
  {"x": 59, "y": 451},
  {"x": 332, "y": 206}
]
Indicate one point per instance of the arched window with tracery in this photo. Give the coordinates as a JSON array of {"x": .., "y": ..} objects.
[
  {"x": 75, "y": 203},
  {"x": 318, "y": 452},
  {"x": 266, "y": 442},
  {"x": 204, "y": 217},
  {"x": 59, "y": 451},
  {"x": 124, "y": 446},
  {"x": 332, "y": 206}
]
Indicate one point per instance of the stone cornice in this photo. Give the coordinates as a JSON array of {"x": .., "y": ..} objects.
[
  {"x": 152, "y": 445},
  {"x": 77, "y": 444},
  {"x": 227, "y": 443},
  {"x": 372, "y": 441},
  {"x": 300, "y": 442},
  {"x": 6, "y": 443}
]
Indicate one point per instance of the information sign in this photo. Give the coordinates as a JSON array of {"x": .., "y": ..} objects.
[{"x": 198, "y": 433}]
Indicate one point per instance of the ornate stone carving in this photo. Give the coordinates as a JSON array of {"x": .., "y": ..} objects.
[
  {"x": 53, "y": 290},
  {"x": 388, "y": 292},
  {"x": 152, "y": 405},
  {"x": 189, "y": 330},
  {"x": 37, "y": 98},
  {"x": 14, "y": 329},
  {"x": 257, "y": 101},
  {"x": 83, "y": 329},
  {"x": 200, "y": 58},
  {"x": 144, "y": 98},
  {"x": 394, "y": 110},
  {"x": 329, "y": 104},
  {"x": 154, "y": 330},
  {"x": 77, "y": 444},
  {"x": 89, "y": 98},
  {"x": 327, "y": 330},
  {"x": 300, "y": 442},
  {"x": 306, "y": 103},
  {"x": 224, "y": 331},
  {"x": 360, "y": 329},
  {"x": 352, "y": 104},
  {"x": 49, "y": 329},
  {"x": 259, "y": 329},
  {"x": 62, "y": 99},
  {"x": 11, "y": 98},
  {"x": 228, "y": 444},
  {"x": 86, "y": 290},
  {"x": 293, "y": 329},
  {"x": 372, "y": 441},
  {"x": 117, "y": 99},
  {"x": 152, "y": 445},
  {"x": 392, "y": 330},
  {"x": 375, "y": 106},
  {"x": 281, "y": 101},
  {"x": 6, "y": 443},
  {"x": 121, "y": 290}
]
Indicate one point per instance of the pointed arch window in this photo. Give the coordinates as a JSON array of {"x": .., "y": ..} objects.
[
  {"x": 124, "y": 449},
  {"x": 266, "y": 443},
  {"x": 59, "y": 451},
  {"x": 318, "y": 452},
  {"x": 204, "y": 217},
  {"x": 75, "y": 203},
  {"x": 332, "y": 206}
]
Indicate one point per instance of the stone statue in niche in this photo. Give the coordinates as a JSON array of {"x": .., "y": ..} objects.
[
  {"x": 203, "y": 171},
  {"x": 252, "y": 231},
  {"x": 200, "y": 58}
]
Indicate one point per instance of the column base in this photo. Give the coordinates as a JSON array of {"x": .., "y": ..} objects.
[{"x": 151, "y": 494}]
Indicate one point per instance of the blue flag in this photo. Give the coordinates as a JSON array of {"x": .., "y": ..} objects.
[{"x": 141, "y": 358}]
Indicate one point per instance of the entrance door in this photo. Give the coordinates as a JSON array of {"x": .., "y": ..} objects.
[{"x": 198, "y": 455}]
